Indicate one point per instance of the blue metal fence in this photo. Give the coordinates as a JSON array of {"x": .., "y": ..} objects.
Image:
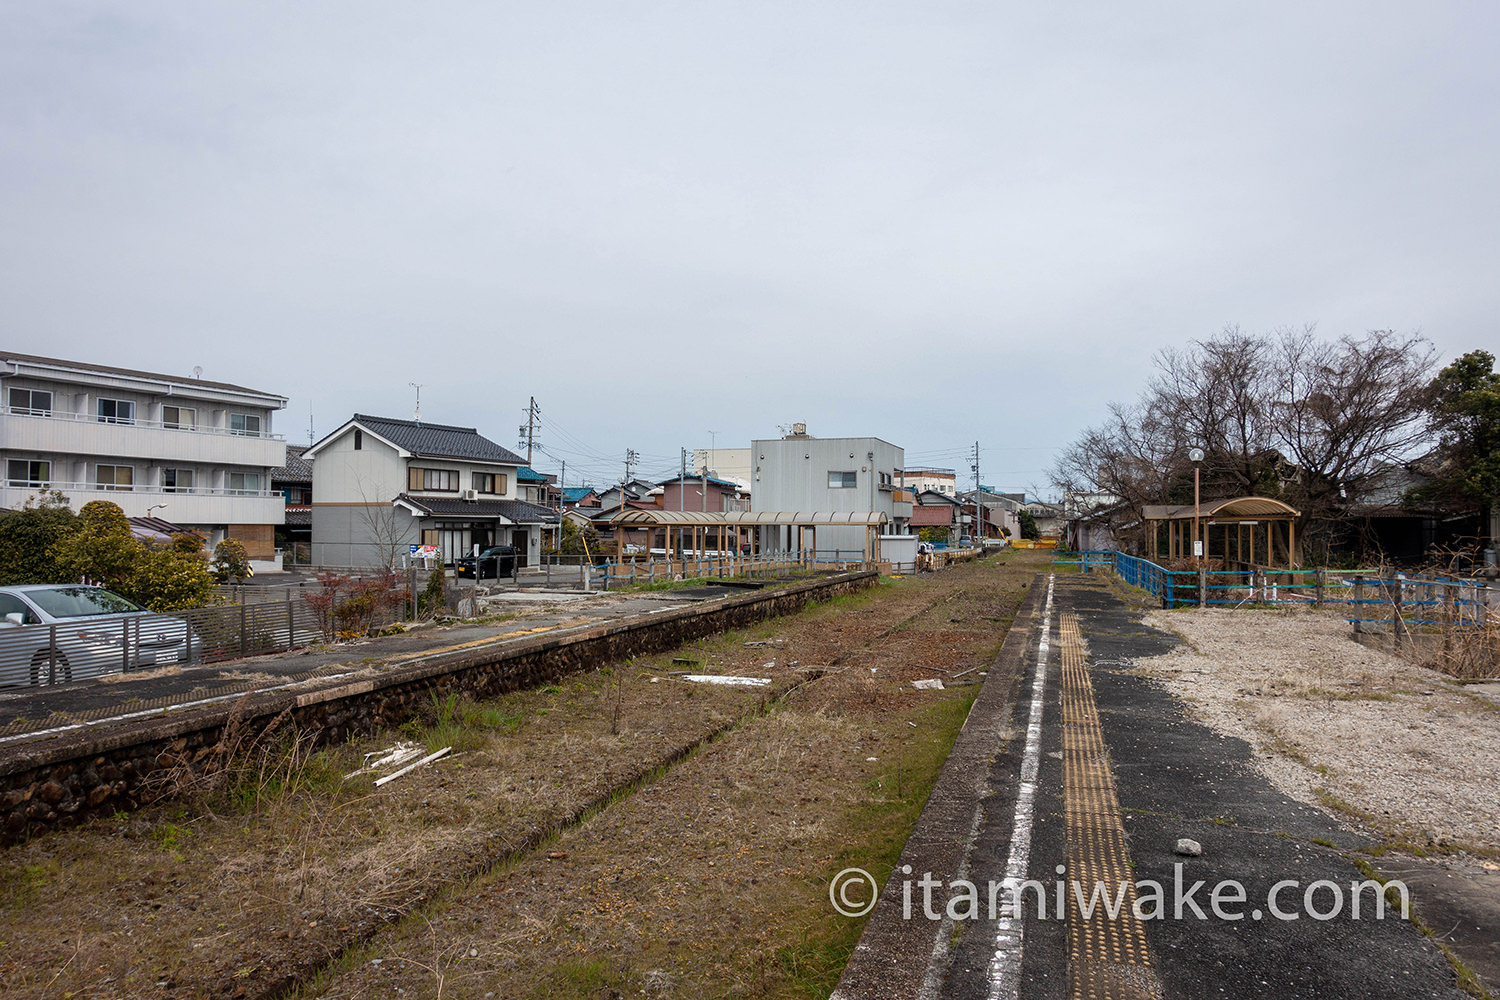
[{"x": 1402, "y": 601}]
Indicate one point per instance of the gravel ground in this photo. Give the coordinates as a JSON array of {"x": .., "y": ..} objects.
[{"x": 1406, "y": 751}]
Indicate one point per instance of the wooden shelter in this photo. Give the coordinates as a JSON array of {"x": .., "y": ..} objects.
[
  {"x": 1244, "y": 531},
  {"x": 796, "y": 531}
]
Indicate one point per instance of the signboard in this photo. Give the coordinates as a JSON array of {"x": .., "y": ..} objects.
[
  {"x": 424, "y": 551},
  {"x": 1197, "y": 546}
]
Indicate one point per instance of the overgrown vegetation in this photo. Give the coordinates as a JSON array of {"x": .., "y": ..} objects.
[{"x": 46, "y": 542}]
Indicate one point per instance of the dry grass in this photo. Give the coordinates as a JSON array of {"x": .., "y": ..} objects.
[{"x": 275, "y": 866}]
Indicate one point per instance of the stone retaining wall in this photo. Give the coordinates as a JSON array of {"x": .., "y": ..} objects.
[{"x": 121, "y": 767}]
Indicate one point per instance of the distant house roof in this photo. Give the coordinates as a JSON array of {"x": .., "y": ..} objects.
[
  {"x": 424, "y": 440},
  {"x": 514, "y": 511},
  {"x": 526, "y": 474},
  {"x": 931, "y": 515},
  {"x": 296, "y": 469},
  {"x": 573, "y": 494},
  {"x": 936, "y": 498},
  {"x": 727, "y": 484},
  {"x": 155, "y": 529}
]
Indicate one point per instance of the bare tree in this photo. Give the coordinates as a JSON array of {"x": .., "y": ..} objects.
[
  {"x": 382, "y": 526},
  {"x": 1286, "y": 415}
]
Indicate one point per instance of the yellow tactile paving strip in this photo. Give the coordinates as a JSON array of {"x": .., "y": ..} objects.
[{"x": 1108, "y": 957}]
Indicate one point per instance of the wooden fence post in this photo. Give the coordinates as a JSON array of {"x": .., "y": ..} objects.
[
  {"x": 1202, "y": 587},
  {"x": 1320, "y": 583}
]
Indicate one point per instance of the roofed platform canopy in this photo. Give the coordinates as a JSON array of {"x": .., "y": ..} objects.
[{"x": 1241, "y": 532}]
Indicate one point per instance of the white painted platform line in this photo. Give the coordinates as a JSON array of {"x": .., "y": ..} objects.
[{"x": 1005, "y": 967}]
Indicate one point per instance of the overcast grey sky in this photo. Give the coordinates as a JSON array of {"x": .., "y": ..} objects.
[{"x": 933, "y": 223}]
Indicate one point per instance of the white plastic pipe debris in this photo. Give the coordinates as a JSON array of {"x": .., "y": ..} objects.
[
  {"x": 727, "y": 679},
  {"x": 412, "y": 767}
]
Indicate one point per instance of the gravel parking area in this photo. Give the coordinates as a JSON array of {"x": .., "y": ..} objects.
[{"x": 1405, "y": 751}]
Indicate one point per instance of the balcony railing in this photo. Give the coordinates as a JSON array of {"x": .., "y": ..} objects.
[
  {"x": 91, "y": 418},
  {"x": 202, "y": 491}
]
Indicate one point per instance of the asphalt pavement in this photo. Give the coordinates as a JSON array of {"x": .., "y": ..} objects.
[{"x": 1094, "y": 791}]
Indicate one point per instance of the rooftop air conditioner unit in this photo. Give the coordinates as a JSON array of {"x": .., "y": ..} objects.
[{"x": 472, "y": 496}]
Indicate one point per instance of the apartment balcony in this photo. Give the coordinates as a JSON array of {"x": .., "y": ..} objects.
[
  {"x": 180, "y": 506},
  {"x": 59, "y": 433},
  {"x": 901, "y": 509}
]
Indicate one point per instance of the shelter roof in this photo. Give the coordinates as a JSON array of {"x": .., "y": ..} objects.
[
  {"x": 1248, "y": 508},
  {"x": 751, "y": 518}
]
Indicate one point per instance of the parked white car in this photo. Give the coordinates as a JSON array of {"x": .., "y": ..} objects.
[{"x": 56, "y": 633}]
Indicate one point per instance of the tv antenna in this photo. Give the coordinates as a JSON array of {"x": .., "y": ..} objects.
[{"x": 418, "y": 415}]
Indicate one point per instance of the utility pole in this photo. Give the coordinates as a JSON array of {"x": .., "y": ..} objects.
[
  {"x": 713, "y": 439},
  {"x": 682, "y": 483},
  {"x": 978, "y": 516},
  {"x": 528, "y": 429}
]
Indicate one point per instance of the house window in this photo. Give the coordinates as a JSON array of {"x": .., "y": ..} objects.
[
  {"x": 842, "y": 480},
  {"x": 20, "y": 473},
  {"x": 182, "y": 418},
  {"x": 359, "y": 439},
  {"x": 32, "y": 402},
  {"x": 435, "y": 480},
  {"x": 177, "y": 480},
  {"x": 490, "y": 482},
  {"x": 244, "y": 424},
  {"x": 116, "y": 411},
  {"x": 114, "y": 477},
  {"x": 244, "y": 482}
]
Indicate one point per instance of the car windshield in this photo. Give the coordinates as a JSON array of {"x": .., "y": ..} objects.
[{"x": 81, "y": 602}]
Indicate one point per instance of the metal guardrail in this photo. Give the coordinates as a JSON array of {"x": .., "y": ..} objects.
[
  {"x": 80, "y": 650},
  {"x": 94, "y": 418},
  {"x": 1412, "y": 601}
]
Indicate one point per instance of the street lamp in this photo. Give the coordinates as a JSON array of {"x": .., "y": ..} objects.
[
  {"x": 1195, "y": 455},
  {"x": 155, "y": 506}
]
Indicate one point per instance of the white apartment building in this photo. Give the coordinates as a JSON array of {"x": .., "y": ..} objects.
[
  {"x": 944, "y": 481},
  {"x": 189, "y": 451}
]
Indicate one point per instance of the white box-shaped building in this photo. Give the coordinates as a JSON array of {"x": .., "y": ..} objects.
[{"x": 810, "y": 474}]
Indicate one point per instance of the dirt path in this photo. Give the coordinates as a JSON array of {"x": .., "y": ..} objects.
[{"x": 263, "y": 883}]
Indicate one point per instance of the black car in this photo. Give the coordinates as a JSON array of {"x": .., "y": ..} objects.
[{"x": 495, "y": 562}]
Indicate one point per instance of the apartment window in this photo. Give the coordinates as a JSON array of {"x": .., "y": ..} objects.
[
  {"x": 177, "y": 480},
  {"x": 244, "y": 482},
  {"x": 20, "y": 473},
  {"x": 116, "y": 411},
  {"x": 183, "y": 418},
  {"x": 842, "y": 480},
  {"x": 436, "y": 480},
  {"x": 114, "y": 477},
  {"x": 246, "y": 424},
  {"x": 33, "y": 402},
  {"x": 490, "y": 482},
  {"x": 297, "y": 496}
]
